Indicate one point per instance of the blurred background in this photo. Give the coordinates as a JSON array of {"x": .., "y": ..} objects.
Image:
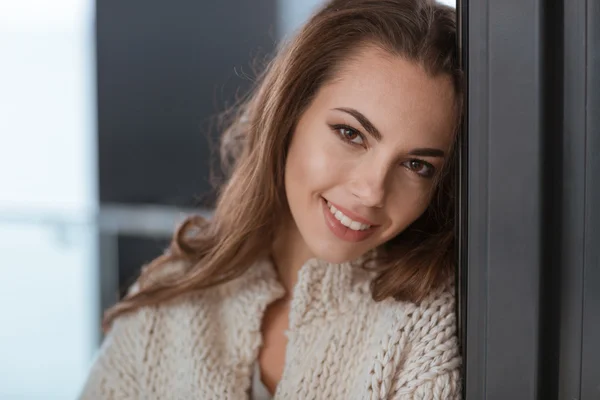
[{"x": 107, "y": 112}]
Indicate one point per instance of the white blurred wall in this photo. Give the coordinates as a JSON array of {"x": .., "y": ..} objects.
[{"x": 48, "y": 257}]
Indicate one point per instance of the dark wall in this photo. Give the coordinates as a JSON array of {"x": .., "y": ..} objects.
[{"x": 165, "y": 69}]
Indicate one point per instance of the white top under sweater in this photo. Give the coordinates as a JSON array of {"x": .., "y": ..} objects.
[
  {"x": 258, "y": 390},
  {"x": 341, "y": 344}
]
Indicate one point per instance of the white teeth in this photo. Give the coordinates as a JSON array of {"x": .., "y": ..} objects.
[
  {"x": 355, "y": 226},
  {"x": 346, "y": 221}
]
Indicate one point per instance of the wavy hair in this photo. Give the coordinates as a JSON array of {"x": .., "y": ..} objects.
[{"x": 205, "y": 253}]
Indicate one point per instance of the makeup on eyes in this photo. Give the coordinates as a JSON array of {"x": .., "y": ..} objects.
[
  {"x": 337, "y": 128},
  {"x": 431, "y": 169}
]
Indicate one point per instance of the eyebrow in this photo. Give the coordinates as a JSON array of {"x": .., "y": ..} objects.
[
  {"x": 364, "y": 121},
  {"x": 370, "y": 128},
  {"x": 427, "y": 152}
]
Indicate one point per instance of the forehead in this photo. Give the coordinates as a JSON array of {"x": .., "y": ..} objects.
[{"x": 396, "y": 94}]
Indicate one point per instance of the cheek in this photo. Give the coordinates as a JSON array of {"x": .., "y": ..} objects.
[{"x": 313, "y": 164}]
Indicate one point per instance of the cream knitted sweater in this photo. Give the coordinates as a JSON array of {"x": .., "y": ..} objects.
[{"x": 341, "y": 344}]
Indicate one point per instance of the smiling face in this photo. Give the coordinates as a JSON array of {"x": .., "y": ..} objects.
[{"x": 364, "y": 156}]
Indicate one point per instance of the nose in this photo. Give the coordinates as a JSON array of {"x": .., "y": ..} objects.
[{"x": 369, "y": 185}]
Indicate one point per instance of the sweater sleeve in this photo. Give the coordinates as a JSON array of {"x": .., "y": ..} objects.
[
  {"x": 446, "y": 386},
  {"x": 431, "y": 369},
  {"x": 115, "y": 373}
]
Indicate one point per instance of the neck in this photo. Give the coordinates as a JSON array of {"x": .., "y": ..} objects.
[{"x": 289, "y": 254}]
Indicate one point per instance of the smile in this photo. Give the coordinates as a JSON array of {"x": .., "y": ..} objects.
[
  {"x": 349, "y": 229},
  {"x": 347, "y": 221}
]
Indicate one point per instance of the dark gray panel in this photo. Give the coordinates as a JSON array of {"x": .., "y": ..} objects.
[
  {"x": 134, "y": 252},
  {"x": 475, "y": 50},
  {"x": 514, "y": 199},
  {"x": 108, "y": 274},
  {"x": 462, "y": 195},
  {"x": 553, "y": 202},
  {"x": 533, "y": 230},
  {"x": 590, "y": 375},
  {"x": 569, "y": 198},
  {"x": 504, "y": 228},
  {"x": 165, "y": 69}
]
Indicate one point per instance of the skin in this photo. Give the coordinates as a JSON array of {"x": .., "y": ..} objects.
[{"x": 383, "y": 178}]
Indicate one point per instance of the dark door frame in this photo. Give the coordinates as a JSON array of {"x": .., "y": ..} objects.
[{"x": 529, "y": 276}]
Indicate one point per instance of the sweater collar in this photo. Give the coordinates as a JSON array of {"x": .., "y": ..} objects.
[{"x": 323, "y": 290}]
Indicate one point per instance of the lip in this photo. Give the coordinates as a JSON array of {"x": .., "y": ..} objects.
[
  {"x": 351, "y": 215},
  {"x": 342, "y": 231}
]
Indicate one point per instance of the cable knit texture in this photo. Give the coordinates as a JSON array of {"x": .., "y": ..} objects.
[{"x": 341, "y": 343}]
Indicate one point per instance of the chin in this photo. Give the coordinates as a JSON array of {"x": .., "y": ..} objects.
[{"x": 338, "y": 255}]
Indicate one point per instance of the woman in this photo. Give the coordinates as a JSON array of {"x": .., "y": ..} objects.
[{"x": 327, "y": 270}]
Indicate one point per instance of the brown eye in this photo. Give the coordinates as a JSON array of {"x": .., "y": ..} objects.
[
  {"x": 416, "y": 166},
  {"x": 349, "y": 135},
  {"x": 420, "y": 167}
]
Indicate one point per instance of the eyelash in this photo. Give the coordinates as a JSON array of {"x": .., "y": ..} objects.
[
  {"x": 343, "y": 137},
  {"x": 430, "y": 168},
  {"x": 406, "y": 164}
]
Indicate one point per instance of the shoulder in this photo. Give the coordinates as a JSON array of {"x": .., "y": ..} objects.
[
  {"x": 166, "y": 314},
  {"x": 201, "y": 315},
  {"x": 148, "y": 325},
  {"x": 156, "y": 340},
  {"x": 149, "y": 322}
]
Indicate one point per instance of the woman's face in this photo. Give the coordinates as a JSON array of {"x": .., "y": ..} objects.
[{"x": 364, "y": 156}]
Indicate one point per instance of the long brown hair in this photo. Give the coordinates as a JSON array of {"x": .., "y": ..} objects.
[{"x": 205, "y": 253}]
